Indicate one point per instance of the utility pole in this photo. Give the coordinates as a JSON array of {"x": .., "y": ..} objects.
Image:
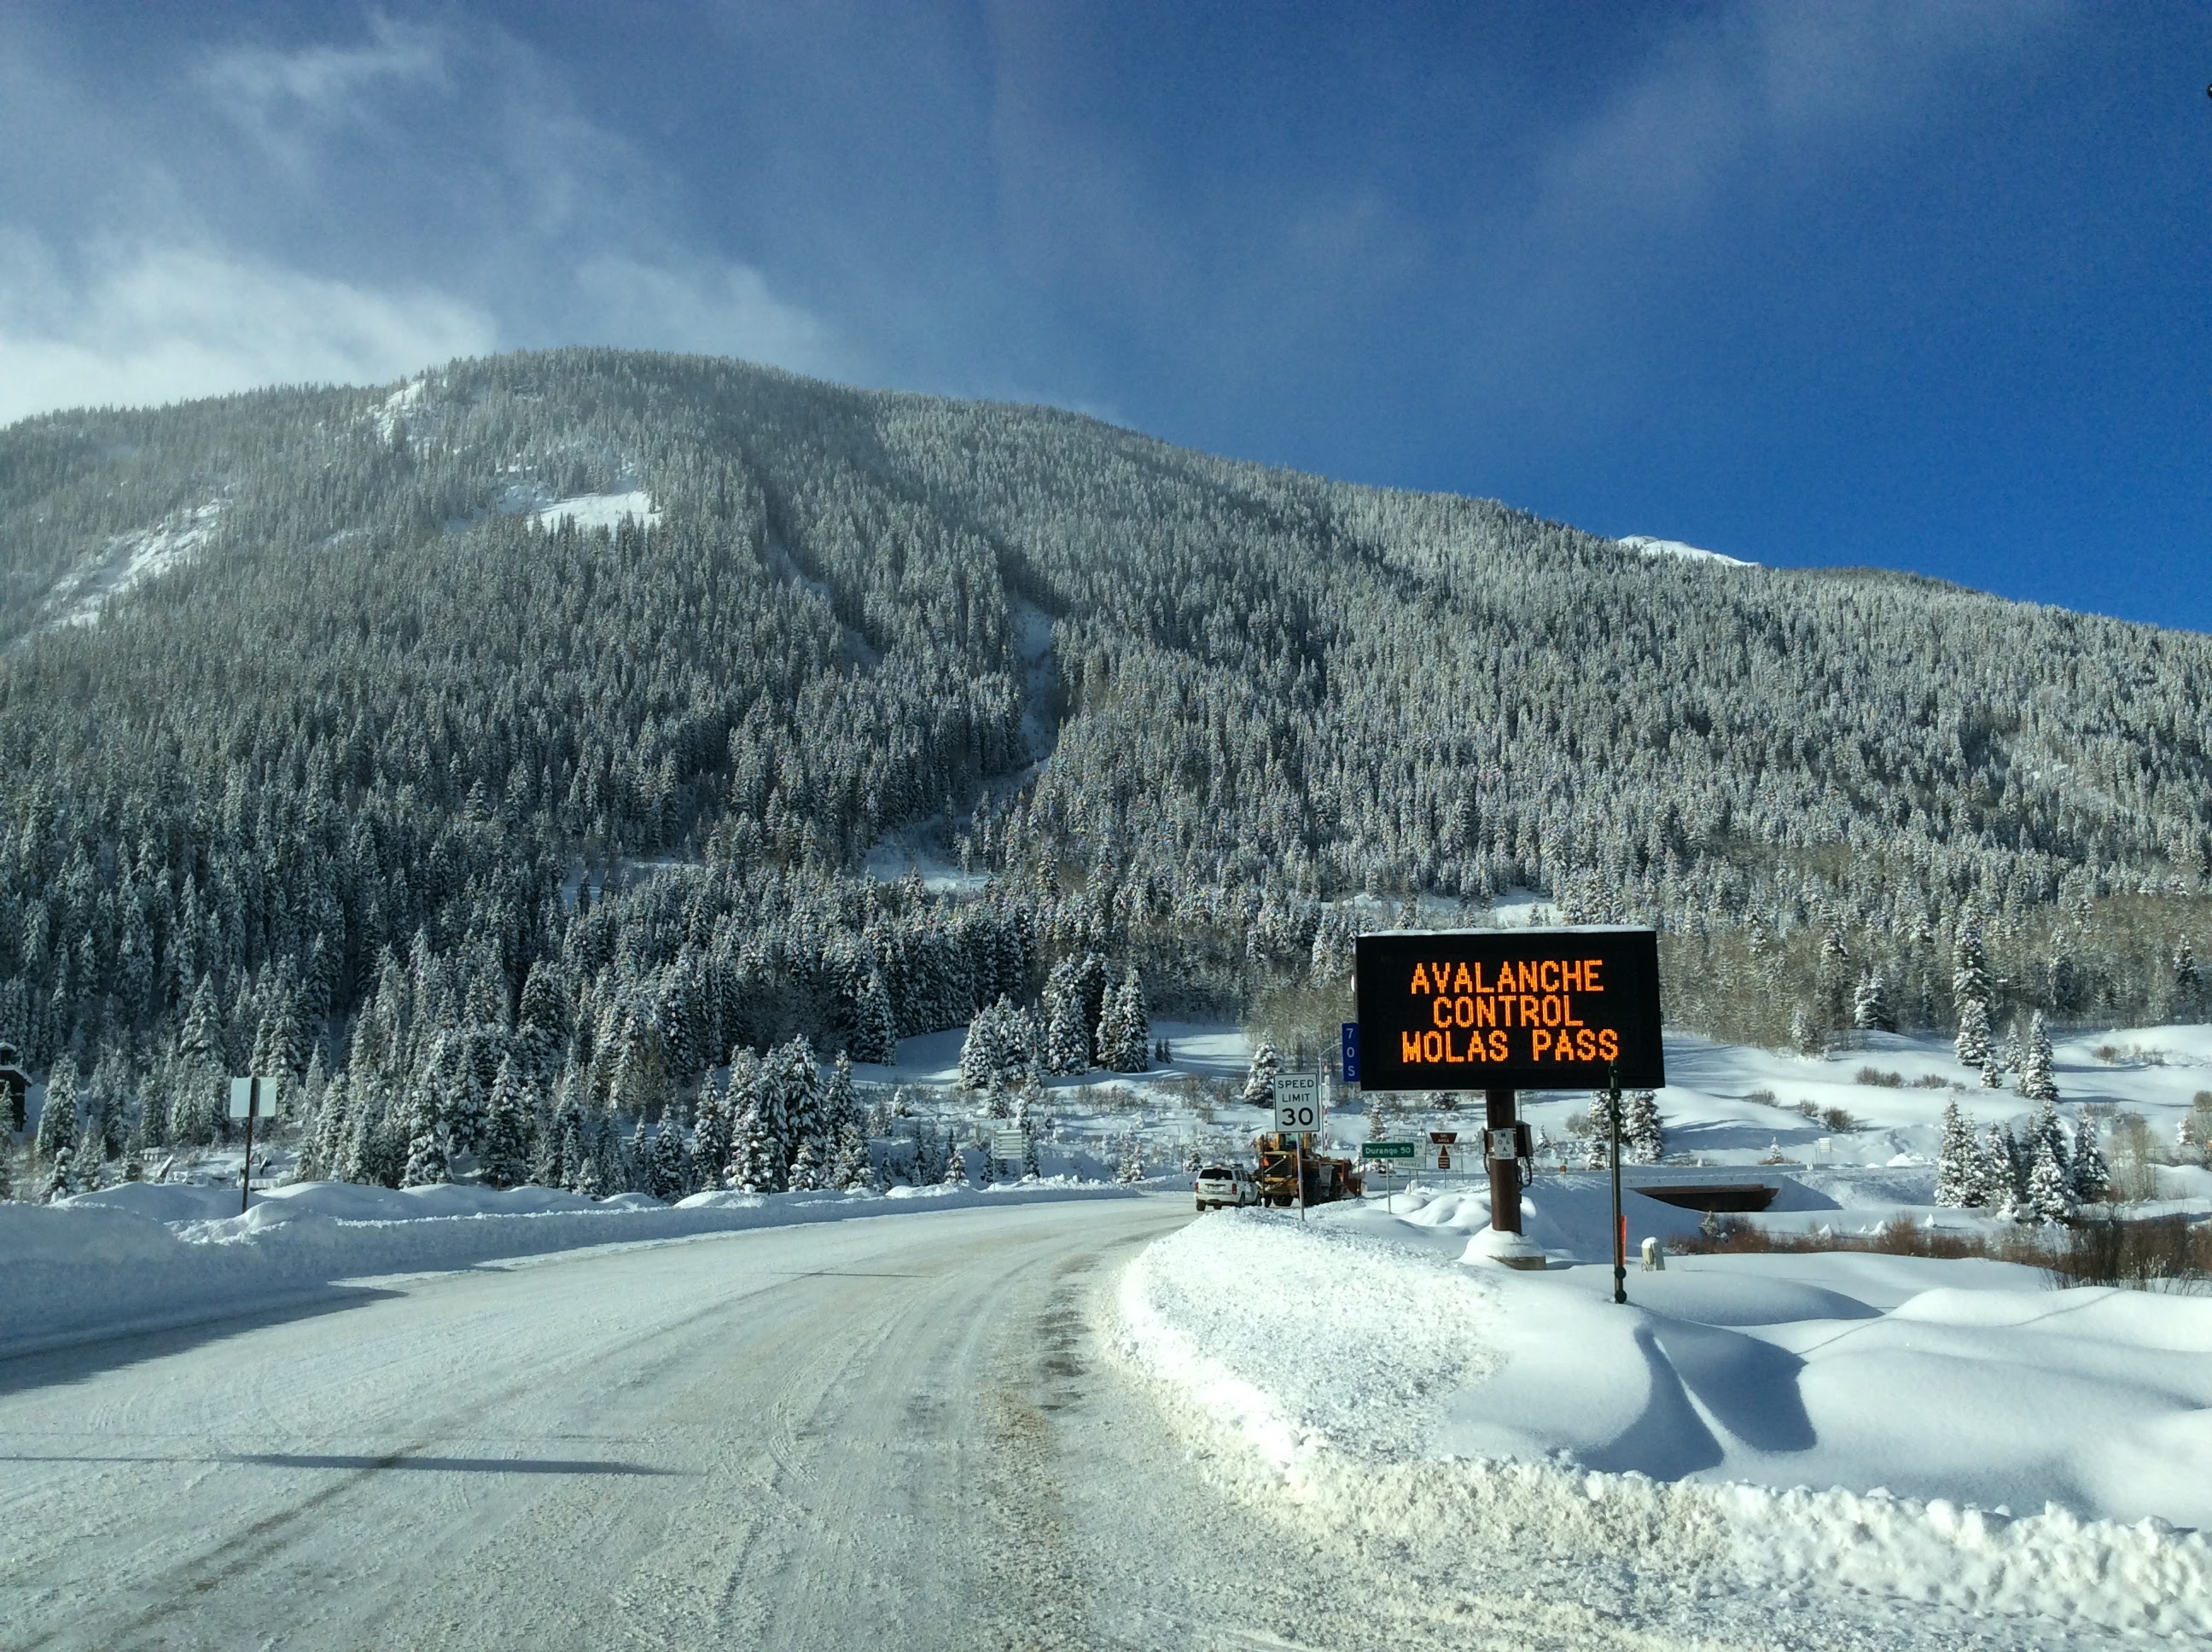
[
  {"x": 1620, "y": 1221},
  {"x": 1501, "y": 1112}
]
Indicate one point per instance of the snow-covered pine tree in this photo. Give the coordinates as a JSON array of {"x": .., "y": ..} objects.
[
  {"x": 670, "y": 1174},
  {"x": 1125, "y": 1039},
  {"x": 1870, "y": 1007},
  {"x": 2188, "y": 984},
  {"x": 1067, "y": 1030},
  {"x": 1092, "y": 982},
  {"x": 806, "y": 1168},
  {"x": 2035, "y": 1079},
  {"x": 956, "y": 1164},
  {"x": 2049, "y": 1192},
  {"x": 1132, "y": 1166},
  {"x": 746, "y": 1170},
  {"x": 503, "y": 1153},
  {"x": 1642, "y": 1139},
  {"x": 1260, "y": 1076},
  {"x": 1994, "y": 1070},
  {"x": 1959, "y": 1180},
  {"x": 1971, "y": 982},
  {"x": 427, "y": 1164},
  {"x": 61, "y": 1175},
  {"x": 982, "y": 1052},
  {"x": 841, "y": 1102},
  {"x": 2045, "y": 1133},
  {"x": 850, "y": 1170},
  {"x": 710, "y": 1133},
  {"x": 2088, "y": 1175},
  {"x": 2006, "y": 1187},
  {"x": 1597, "y": 1138},
  {"x": 56, "y": 1131},
  {"x": 875, "y": 1026},
  {"x": 1971, "y": 1044}
]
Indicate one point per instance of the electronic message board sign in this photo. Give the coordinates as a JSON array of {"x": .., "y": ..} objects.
[{"x": 1510, "y": 1009}]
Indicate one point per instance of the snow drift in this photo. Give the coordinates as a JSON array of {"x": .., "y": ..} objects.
[
  {"x": 142, "y": 1253},
  {"x": 1450, "y": 1408}
]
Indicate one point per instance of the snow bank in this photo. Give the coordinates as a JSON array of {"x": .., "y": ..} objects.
[
  {"x": 142, "y": 1253},
  {"x": 1447, "y": 1411}
]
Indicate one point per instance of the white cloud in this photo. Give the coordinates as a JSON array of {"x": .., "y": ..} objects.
[
  {"x": 283, "y": 99},
  {"x": 149, "y": 323},
  {"x": 715, "y": 310},
  {"x": 352, "y": 211}
]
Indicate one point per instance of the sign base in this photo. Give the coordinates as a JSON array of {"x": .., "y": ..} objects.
[{"x": 1506, "y": 1249}]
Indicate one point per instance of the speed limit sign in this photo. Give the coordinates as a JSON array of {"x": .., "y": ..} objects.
[{"x": 1298, "y": 1102}]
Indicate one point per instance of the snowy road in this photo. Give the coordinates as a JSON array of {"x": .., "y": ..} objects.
[
  {"x": 792, "y": 1438},
  {"x": 898, "y": 1429}
]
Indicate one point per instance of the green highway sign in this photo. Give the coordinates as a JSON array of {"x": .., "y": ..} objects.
[{"x": 1386, "y": 1149}]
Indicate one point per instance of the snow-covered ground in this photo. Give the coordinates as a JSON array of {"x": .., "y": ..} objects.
[
  {"x": 1818, "y": 1426},
  {"x": 1956, "y": 1432}
]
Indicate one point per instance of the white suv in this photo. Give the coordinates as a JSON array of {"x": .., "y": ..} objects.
[{"x": 1224, "y": 1184}]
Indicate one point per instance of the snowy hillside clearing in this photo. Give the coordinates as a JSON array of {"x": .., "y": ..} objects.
[
  {"x": 606, "y": 511},
  {"x": 1945, "y": 1433},
  {"x": 141, "y": 1253},
  {"x": 126, "y": 563},
  {"x": 1675, "y": 548}
]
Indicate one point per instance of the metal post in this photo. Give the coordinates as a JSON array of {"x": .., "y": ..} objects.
[
  {"x": 1499, "y": 1113},
  {"x": 245, "y": 1171},
  {"x": 1298, "y": 1169},
  {"x": 1620, "y": 1221}
]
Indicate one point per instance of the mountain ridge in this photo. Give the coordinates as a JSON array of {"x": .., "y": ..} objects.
[{"x": 337, "y": 770}]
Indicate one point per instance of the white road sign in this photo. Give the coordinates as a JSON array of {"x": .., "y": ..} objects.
[
  {"x": 1297, "y": 1101},
  {"x": 1009, "y": 1146},
  {"x": 244, "y": 1102}
]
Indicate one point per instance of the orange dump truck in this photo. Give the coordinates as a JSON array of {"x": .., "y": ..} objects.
[{"x": 1282, "y": 1155}]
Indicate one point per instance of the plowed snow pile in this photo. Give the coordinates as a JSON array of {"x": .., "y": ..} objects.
[{"x": 1742, "y": 1430}]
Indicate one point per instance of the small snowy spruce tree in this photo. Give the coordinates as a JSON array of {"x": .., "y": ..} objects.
[
  {"x": 1870, "y": 1008},
  {"x": 2002, "y": 1193},
  {"x": 2089, "y": 1175},
  {"x": 503, "y": 1157},
  {"x": 1597, "y": 1138},
  {"x": 427, "y": 1164},
  {"x": 1260, "y": 1077},
  {"x": 1642, "y": 1139},
  {"x": 2049, "y": 1192},
  {"x": 1959, "y": 1180},
  {"x": 1124, "y": 1031},
  {"x": 1973, "y": 1043},
  {"x": 1066, "y": 1024},
  {"x": 58, "y": 1116},
  {"x": 2036, "y": 1081}
]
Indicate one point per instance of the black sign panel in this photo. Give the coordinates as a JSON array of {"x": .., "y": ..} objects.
[{"x": 1510, "y": 1009}]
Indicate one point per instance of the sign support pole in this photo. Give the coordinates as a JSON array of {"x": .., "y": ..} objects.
[
  {"x": 1500, "y": 1112},
  {"x": 245, "y": 1171},
  {"x": 1620, "y": 1221}
]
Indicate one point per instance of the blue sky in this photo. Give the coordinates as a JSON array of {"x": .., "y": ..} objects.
[{"x": 1919, "y": 286}]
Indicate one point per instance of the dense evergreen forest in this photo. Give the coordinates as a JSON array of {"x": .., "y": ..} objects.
[{"x": 326, "y": 748}]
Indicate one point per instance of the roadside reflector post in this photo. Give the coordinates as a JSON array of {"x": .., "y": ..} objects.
[{"x": 1620, "y": 1221}]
